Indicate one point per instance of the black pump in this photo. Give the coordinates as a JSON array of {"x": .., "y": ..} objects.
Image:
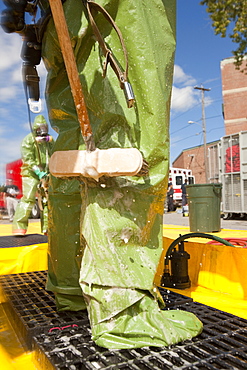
[{"x": 179, "y": 278}]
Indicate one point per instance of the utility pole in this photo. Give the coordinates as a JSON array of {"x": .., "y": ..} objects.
[{"x": 203, "y": 89}]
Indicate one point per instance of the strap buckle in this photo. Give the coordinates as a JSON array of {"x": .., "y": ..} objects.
[{"x": 35, "y": 106}]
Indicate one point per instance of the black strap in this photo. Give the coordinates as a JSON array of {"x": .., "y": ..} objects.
[
  {"x": 31, "y": 80},
  {"x": 29, "y": 121}
]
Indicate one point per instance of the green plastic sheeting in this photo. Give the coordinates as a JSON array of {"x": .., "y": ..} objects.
[{"x": 114, "y": 228}]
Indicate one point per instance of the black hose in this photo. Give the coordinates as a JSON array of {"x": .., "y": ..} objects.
[{"x": 193, "y": 235}]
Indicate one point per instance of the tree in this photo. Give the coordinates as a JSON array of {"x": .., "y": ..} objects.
[{"x": 230, "y": 15}]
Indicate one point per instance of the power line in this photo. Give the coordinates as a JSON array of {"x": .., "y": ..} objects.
[
  {"x": 182, "y": 128},
  {"x": 184, "y": 138}
]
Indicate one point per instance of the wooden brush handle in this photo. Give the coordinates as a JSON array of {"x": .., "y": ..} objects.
[{"x": 71, "y": 67}]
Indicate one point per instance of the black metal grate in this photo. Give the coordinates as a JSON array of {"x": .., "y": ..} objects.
[
  {"x": 172, "y": 299},
  {"x": 21, "y": 241},
  {"x": 33, "y": 309},
  {"x": 74, "y": 349},
  {"x": 60, "y": 345}
]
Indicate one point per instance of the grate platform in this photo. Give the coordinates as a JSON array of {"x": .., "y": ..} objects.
[
  {"x": 31, "y": 308},
  {"x": 172, "y": 299},
  {"x": 74, "y": 349},
  {"x": 22, "y": 241},
  {"x": 63, "y": 341}
]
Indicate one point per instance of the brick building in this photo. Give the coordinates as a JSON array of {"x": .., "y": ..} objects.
[
  {"x": 234, "y": 91},
  {"x": 193, "y": 159}
]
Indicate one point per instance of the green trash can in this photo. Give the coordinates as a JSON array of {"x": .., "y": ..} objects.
[{"x": 204, "y": 202}]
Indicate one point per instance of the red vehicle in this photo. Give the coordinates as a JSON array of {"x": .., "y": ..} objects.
[
  {"x": 2, "y": 203},
  {"x": 13, "y": 172}
]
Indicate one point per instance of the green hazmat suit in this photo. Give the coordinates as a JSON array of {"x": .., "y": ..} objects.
[
  {"x": 105, "y": 238},
  {"x": 35, "y": 158}
]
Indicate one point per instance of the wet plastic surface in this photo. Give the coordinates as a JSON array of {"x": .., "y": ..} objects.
[
  {"x": 20, "y": 241},
  {"x": 63, "y": 340}
]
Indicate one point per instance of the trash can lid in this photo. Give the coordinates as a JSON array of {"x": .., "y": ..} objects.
[{"x": 200, "y": 185}]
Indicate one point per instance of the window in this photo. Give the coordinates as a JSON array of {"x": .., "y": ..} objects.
[{"x": 179, "y": 180}]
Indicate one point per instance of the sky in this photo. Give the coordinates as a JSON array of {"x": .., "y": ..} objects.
[{"x": 197, "y": 63}]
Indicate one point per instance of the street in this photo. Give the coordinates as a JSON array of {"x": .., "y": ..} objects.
[{"x": 175, "y": 218}]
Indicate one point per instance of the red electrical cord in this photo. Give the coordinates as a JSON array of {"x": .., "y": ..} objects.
[
  {"x": 62, "y": 327},
  {"x": 240, "y": 242}
]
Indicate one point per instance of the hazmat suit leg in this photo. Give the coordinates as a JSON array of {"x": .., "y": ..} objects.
[
  {"x": 65, "y": 244},
  {"x": 44, "y": 217},
  {"x": 121, "y": 218},
  {"x": 11, "y": 207},
  {"x": 24, "y": 208}
]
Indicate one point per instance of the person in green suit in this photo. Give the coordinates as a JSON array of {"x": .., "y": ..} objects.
[
  {"x": 105, "y": 237},
  {"x": 105, "y": 248},
  {"x": 36, "y": 149}
]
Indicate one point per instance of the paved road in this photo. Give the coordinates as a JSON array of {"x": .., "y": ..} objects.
[
  {"x": 175, "y": 218},
  {"x": 4, "y": 220}
]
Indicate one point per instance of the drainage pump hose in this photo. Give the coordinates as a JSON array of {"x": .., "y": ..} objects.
[{"x": 193, "y": 235}]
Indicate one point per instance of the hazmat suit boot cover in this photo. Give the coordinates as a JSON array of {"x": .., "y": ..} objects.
[
  {"x": 117, "y": 280},
  {"x": 141, "y": 324},
  {"x": 115, "y": 229}
]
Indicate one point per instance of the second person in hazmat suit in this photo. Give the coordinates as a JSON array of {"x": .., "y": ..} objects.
[{"x": 36, "y": 149}]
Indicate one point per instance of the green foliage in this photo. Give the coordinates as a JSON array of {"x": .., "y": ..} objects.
[{"x": 230, "y": 15}]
